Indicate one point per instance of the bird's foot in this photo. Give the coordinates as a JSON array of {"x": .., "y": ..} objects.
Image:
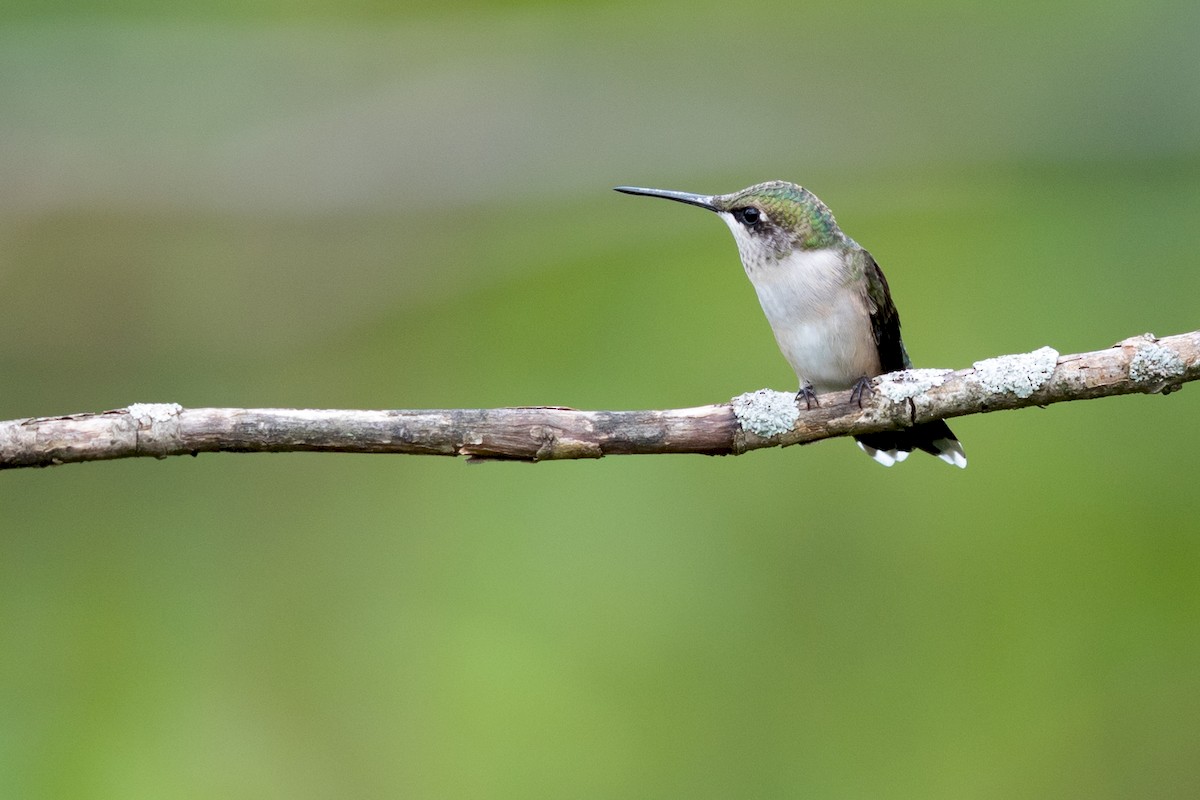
[
  {"x": 862, "y": 388},
  {"x": 808, "y": 395}
]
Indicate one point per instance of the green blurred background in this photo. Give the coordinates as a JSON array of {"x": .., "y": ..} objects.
[{"x": 367, "y": 205}]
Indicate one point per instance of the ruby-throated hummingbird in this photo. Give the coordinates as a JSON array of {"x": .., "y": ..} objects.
[{"x": 826, "y": 299}]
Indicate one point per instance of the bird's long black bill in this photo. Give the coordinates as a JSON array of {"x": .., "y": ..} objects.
[{"x": 702, "y": 200}]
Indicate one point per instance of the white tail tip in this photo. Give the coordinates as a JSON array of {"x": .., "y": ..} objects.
[
  {"x": 950, "y": 451},
  {"x": 885, "y": 457}
]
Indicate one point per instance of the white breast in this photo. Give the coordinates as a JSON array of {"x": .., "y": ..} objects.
[{"x": 822, "y": 324}]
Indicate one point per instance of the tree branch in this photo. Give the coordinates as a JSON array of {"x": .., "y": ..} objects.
[{"x": 751, "y": 421}]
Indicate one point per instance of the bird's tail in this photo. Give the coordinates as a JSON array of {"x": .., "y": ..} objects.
[{"x": 936, "y": 438}]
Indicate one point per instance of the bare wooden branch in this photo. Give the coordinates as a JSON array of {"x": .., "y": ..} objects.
[{"x": 755, "y": 420}]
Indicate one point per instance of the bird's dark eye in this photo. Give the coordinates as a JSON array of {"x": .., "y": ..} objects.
[{"x": 749, "y": 215}]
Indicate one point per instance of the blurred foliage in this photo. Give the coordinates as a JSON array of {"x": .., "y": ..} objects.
[{"x": 367, "y": 205}]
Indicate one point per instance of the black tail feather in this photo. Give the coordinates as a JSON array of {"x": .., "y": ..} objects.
[{"x": 935, "y": 438}]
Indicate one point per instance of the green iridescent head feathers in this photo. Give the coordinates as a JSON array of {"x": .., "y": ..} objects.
[
  {"x": 773, "y": 219},
  {"x": 791, "y": 208}
]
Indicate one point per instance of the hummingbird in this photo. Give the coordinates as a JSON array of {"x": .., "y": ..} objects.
[{"x": 827, "y": 301}]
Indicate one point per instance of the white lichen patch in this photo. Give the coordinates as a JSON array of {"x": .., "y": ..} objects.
[
  {"x": 909, "y": 383},
  {"x": 148, "y": 414},
  {"x": 766, "y": 412},
  {"x": 1021, "y": 374},
  {"x": 1153, "y": 362}
]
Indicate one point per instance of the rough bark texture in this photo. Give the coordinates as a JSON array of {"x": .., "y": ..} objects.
[{"x": 1140, "y": 364}]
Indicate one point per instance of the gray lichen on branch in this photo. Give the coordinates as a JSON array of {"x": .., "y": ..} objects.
[
  {"x": 1153, "y": 362},
  {"x": 765, "y": 412},
  {"x": 751, "y": 421},
  {"x": 1021, "y": 374}
]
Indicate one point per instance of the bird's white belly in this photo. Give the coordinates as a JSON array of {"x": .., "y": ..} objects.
[
  {"x": 822, "y": 326},
  {"x": 829, "y": 354}
]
